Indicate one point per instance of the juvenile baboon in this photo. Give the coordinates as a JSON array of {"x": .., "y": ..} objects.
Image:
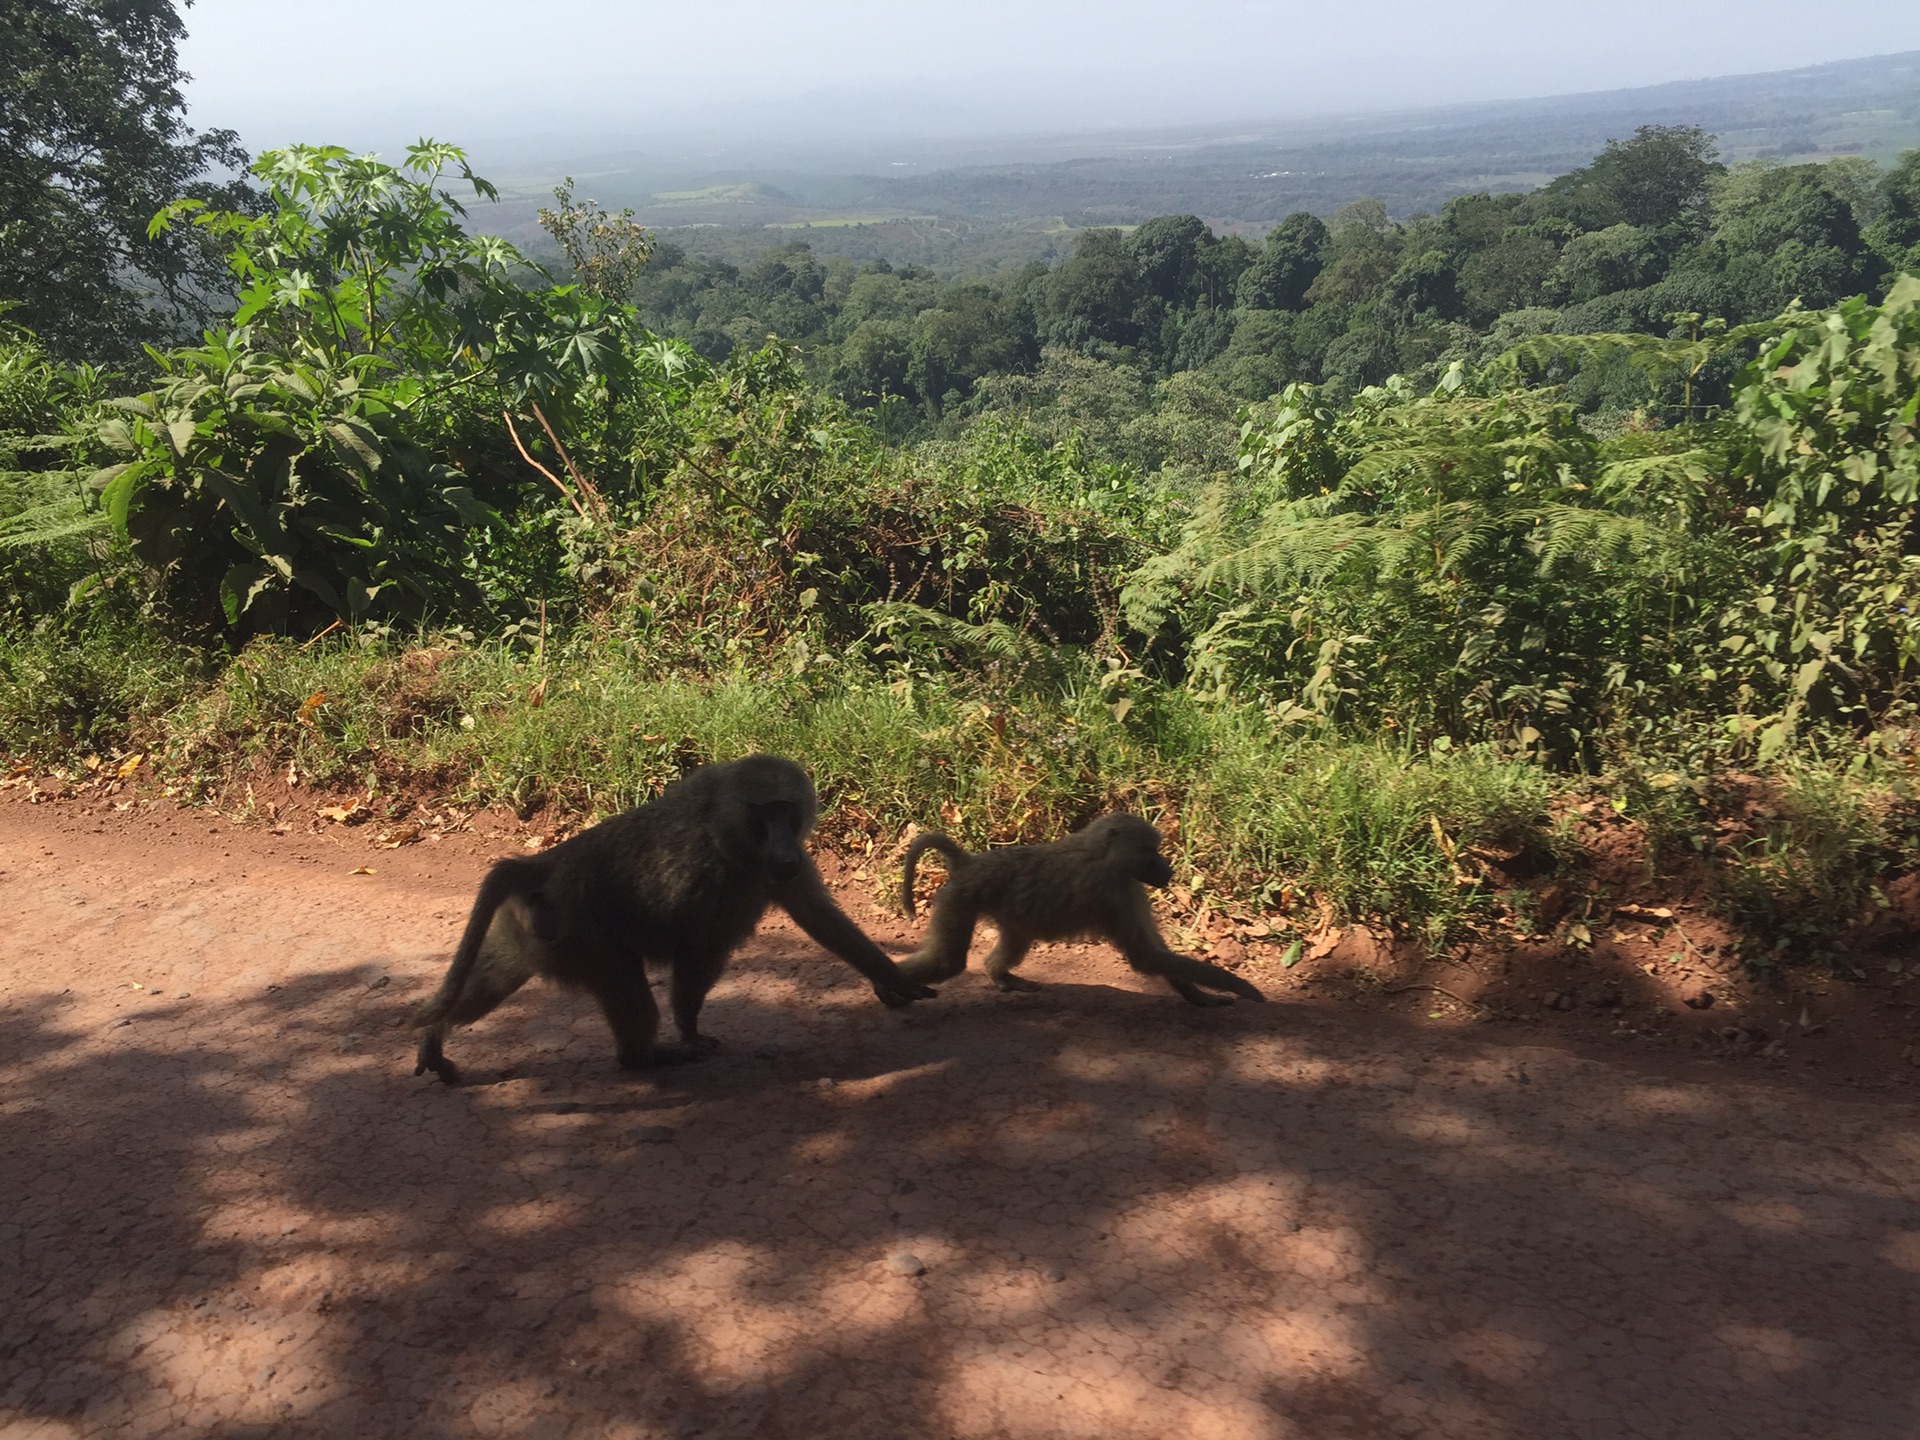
[
  {"x": 1089, "y": 884},
  {"x": 678, "y": 883}
]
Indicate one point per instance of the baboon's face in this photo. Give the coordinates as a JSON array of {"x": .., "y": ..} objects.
[
  {"x": 1136, "y": 845},
  {"x": 1155, "y": 870},
  {"x": 776, "y": 829},
  {"x": 763, "y": 812}
]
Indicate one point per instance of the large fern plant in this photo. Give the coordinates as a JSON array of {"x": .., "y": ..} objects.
[{"x": 1459, "y": 565}]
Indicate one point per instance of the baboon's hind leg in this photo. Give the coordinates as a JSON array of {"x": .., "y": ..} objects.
[
  {"x": 1138, "y": 938},
  {"x": 626, "y": 999},
  {"x": 1009, "y": 952},
  {"x": 1194, "y": 995},
  {"x": 502, "y": 967},
  {"x": 943, "y": 955},
  {"x": 431, "y": 1057}
]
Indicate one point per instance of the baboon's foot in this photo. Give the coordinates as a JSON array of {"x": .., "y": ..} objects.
[
  {"x": 448, "y": 1072},
  {"x": 1014, "y": 984},
  {"x": 1194, "y": 995},
  {"x": 429, "y": 1057},
  {"x": 678, "y": 1052}
]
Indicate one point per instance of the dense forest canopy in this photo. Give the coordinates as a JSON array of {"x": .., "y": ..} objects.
[{"x": 1654, "y": 228}]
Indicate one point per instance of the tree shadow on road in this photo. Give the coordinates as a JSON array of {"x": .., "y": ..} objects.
[{"x": 245, "y": 1217}]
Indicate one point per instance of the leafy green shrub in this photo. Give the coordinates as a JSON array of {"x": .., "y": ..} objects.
[
  {"x": 785, "y": 523},
  {"x": 1830, "y": 416},
  {"x": 266, "y": 489},
  {"x": 298, "y": 461}
]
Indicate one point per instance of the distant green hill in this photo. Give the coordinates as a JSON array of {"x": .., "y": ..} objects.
[{"x": 1247, "y": 176}]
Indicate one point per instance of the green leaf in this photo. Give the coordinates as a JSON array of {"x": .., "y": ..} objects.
[
  {"x": 1774, "y": 739},
  {"x": 468, "y": 506},
  {"x": 119, "y": 493},
  {"x": 246, "y": 505},
  {"x": 239, "y": 588},
  {"x": 359, "y": 442}
]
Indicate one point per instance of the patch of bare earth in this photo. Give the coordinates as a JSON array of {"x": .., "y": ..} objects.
[{"x": 228, "y": 1208}]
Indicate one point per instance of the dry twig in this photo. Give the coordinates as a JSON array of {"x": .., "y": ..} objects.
[
  {"x": 558, "y": 483},
  {"x": 587, "y": 487}
]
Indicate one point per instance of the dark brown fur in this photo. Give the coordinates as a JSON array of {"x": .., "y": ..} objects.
[
  {"x": 678, "y": 883},
  {"x": 1089, "y": 884}
]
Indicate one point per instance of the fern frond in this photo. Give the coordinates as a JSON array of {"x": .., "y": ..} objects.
[
  {"x": 66, "y": 519},
  {"x": 912, "y": 628},
  {"x": 1595, "y": 537},
  {"x": 1679, "y": 477},
  {"x": 1295, "y": 551},
  {"x": 1649, "y": 352}
]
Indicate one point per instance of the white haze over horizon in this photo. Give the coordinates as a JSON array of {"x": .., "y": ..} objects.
[{"x": 779, "y": 77}]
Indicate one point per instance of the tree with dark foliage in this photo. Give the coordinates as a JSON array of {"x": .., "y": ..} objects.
[{"x": 93, "y": 142}]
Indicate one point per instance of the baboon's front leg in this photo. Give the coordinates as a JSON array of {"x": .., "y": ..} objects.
[
  {"x": 1146, "y": 952},
  {"x": 693, "y": 977}
]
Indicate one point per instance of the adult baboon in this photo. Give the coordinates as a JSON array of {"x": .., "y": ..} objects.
[
  {"x": 1089, "y": 884},
  {"x": 679, "y": 883}
]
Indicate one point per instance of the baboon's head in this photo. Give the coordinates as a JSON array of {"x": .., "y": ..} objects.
[
  {"x": 1133, "y": 846},
  {"x": 762, "y": 815}
]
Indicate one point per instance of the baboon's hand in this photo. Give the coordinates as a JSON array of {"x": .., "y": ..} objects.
[{"x": 895, "y": 994}]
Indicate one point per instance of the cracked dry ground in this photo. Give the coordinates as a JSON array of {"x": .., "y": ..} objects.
[{"x": 227, "y": 1208}]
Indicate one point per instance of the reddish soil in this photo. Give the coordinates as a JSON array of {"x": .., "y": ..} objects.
[{"x": 228, "y": 1208}]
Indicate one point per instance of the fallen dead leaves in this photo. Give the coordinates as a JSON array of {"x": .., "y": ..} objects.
[
  {"x": 413, "y": 825},
  {"x": 104, "y": 775}
]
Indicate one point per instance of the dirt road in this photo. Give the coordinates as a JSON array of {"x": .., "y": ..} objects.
[{"x": 227, "y": 1208}]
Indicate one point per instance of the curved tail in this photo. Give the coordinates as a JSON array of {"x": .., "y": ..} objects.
[
  {"x": 931, "y": 840},
  {"x": 508, "y": 878}
]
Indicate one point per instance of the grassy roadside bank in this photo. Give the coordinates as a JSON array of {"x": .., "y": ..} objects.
[{"x": 1301, "y": 829}]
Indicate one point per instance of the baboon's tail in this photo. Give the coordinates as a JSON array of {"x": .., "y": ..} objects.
[
  {"x": 931, "y": 840},
  {"x": 508, "y": 878}
]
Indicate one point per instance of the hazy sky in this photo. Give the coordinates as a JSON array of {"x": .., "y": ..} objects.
[{"x": 361, "y": 70}]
